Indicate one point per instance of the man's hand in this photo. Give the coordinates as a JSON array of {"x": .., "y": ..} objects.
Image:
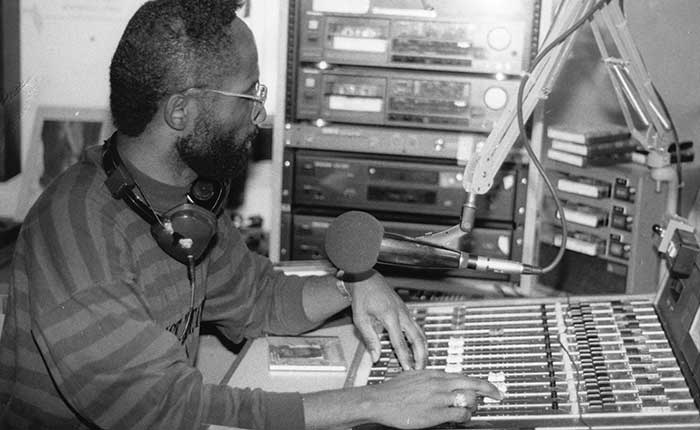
[
  {"x": 418, "y": 399},
  {"x": 375, "y": 307},
  {"x": 413, "y": 399}
]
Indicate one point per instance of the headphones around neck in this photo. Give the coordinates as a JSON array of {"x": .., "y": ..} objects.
[{"x": 183, "y": 232}]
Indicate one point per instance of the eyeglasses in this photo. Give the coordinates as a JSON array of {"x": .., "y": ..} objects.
[{"x": 258, "y": 113}]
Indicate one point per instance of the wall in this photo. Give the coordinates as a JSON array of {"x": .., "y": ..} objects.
[{"x": 66, "y": 48}]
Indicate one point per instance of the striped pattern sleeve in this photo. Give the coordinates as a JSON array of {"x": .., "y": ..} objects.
[
  {"x": 121, "y": 371},
  {"x": 114, "y": 365},
  {"x": 246, "y": 297}
]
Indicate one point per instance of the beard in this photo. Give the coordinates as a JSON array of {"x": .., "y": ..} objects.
[{"x": 213, "y": 152}]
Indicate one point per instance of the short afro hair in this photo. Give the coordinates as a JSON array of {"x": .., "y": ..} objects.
[{"x": 167, "y": 47}]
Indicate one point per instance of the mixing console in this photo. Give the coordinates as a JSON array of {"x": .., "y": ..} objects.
[{"x": 584, "y": 364}]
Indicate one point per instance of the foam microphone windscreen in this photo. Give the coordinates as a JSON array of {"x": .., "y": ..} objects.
[{"x": 352, "y": 244}]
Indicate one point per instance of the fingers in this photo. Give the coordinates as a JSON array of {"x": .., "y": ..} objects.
[
  {"x": 398, "y": 341},
  {"x": 455, "y": 382},
  {"x": 459, "y": 405},
  {"x": 458, "y": 415},
  {"x": 382, "y": 305},
  {"x": 464, "y": 399},
  {"x": 480, "y": 386},
  {"x": 369, "y": 336},
  {"x": 430, "y": 398},
  {"x": 457, "y": 399},
  {"x": 417, "y": 339}
]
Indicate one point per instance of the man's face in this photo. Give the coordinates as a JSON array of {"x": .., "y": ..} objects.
[
  {"x": 215, "y": 148},
  {"x": 220, "y": 142}
]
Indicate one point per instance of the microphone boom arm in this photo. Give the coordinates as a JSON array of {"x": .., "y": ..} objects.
[
  {"x": 483, "y": 166},
  {"x": 633, "y": 89},
  {"x": 629, "y": 76}
]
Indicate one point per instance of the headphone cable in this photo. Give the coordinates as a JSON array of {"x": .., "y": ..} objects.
[
  {"x": 148, "y": 204},
  {"x": 191, "y": 277}
]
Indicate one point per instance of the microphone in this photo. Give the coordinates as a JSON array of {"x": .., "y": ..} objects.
[
  {"x": 352, "y": 244},
  {"x": 355, "y": 241}
]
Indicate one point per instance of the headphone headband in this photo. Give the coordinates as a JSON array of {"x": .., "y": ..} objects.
[
  {"x": 182, "y": 232},
  {"x": 121, "y": 184}
]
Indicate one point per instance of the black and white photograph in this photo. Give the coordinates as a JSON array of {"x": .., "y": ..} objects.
[{"x": 350, "y": 214}]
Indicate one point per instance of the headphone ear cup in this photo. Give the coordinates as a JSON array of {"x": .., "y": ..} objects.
[{"x": 186, "y": 232}]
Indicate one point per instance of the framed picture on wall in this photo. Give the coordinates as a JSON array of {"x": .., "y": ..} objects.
[{"x": 59, "y": 137}]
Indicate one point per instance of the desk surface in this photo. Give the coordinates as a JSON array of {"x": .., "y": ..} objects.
[{"x": 250, "y": 370}]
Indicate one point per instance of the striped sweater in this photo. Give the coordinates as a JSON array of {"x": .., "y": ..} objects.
[{"x": 94, "y": 336}]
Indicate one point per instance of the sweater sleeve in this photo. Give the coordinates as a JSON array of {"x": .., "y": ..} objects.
[
  {"x": 118, "y": 369},
  {"x": 247, "y": 297}
]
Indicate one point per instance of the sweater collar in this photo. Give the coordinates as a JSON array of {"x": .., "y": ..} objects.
[{"x": 160, "y": 195}]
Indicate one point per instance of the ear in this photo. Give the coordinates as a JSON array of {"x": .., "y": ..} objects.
[{"x": 178, "y": 111}]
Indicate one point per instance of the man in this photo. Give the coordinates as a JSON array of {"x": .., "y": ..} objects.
[{"x": 107, "y": 296}]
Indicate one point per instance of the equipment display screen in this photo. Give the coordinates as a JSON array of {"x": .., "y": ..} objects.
[
  {"x": 404, "y": 175},
  {"x": 358, "y": 36},
  {"x": 401, "y": 195},
  {"x": 355, "y": 104}
]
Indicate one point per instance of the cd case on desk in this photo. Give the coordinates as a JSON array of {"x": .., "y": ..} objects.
[{"x": 306, "y": 353}]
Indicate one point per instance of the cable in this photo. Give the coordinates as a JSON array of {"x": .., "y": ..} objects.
[
  {"x": 523, "y": 133},
  {"x": 148, "y": 204},
  {"x": 143, "y": 197},
  {"x": 191, "y": 275}
]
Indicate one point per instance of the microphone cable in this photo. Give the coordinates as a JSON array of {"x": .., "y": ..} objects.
[{"x": 523, "y": 133}]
